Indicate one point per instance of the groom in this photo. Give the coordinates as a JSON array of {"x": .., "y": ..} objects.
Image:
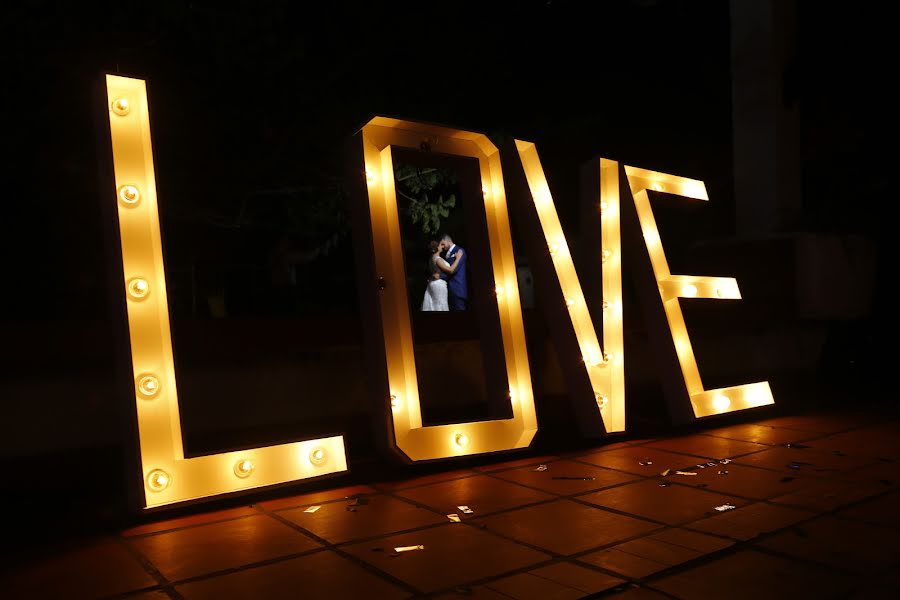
[{"x": 457, "y": 288}]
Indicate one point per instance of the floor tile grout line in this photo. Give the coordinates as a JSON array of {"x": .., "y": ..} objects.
[
  {"x": 556, "y": 458},
  {"x": 348, "y": 556},
  {"x": 246, "y": 567},
  {"x": 254, "y": 506},
  {"x": 134, "y": 593},
  {"x": 559, "y": 495},
  {"x": 814, "y": 514},
  {"x": 560, "y": 582},
  {"x": 555, "y": 555},
  {"x": 164, "y": 583},
  {"x": 150, "y": 534},
  {"x": 378, "y": 486},
  {"x": 739, "y": 545}
]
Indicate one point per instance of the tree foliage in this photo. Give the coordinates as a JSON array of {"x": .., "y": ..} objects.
[{"x": 431, "y": 194}]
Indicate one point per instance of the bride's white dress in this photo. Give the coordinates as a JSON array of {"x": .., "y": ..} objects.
[{"x": 436, "y": 292}]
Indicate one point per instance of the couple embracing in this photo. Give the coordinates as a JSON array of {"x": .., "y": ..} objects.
[{"x": 447, "y": 288}]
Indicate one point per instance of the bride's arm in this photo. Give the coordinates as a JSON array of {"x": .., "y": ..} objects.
[{"x": 446, "y": 267}]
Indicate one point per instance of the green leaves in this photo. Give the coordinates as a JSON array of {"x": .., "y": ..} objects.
[{"x": 431, "y": 195}]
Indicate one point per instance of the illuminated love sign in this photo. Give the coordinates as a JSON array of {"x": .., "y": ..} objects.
[{"x": 596, "y": 373}]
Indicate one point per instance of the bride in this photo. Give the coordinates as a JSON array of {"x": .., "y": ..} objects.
[{"x": 436, "y": 292}]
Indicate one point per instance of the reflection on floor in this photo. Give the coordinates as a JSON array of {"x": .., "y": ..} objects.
[{"x": 800, "y": 506}]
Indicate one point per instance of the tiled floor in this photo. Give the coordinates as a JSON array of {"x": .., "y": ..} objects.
[{"x": 815, "y": 502}]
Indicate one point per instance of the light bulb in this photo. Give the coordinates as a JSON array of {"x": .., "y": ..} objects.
[
  {"x": 138, "y": 288},
  {"x": 594, "y": 360},
  {"x": 512, "y": 395},
  {"x": 395, "y": 402},
  {"x": 158, "y": 480},
  {"x": 603, "y": 206},
  {"x": 605, "y": 255},
  {"x": 721, "y": 402},
  {"x": 318, "y": 455},
  {"x": 461, "y": 439},
  {"x": 121, "y": 106},
  {"x": 570, "y": 303},
  {"x": 499, "y": 290},
  {"x": 370, "y": 176},
  {"x": 658, "y": 187},
  {"x": 484, "y": 192},
  {"x": 243, "y": 468},
  {"x": 147, "y": 385},
  {"x": 602, "y": 400},
  {"x": 689, "y": 290},
  {"x": 554, "y": 248},
  {"x": 129, "y": 195}
]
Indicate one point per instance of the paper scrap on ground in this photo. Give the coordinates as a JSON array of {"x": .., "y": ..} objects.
[
  {"x": 399, "y": 549},
  {"x": 465, "y": 510},
  {"x": 685, "y": 473},
  {"x": 541, "y": 468},
  {"x": 454, "y": 518},
  {"x": 664, "y": 484},
  {"x": 725, "y": 507},
  {"x": 666, "y": 472},
  {"x": 724, "y": 461},
  {"x": 644, "y": 463},
  {"x": 723, "y": 472},
  {"x": 312, "y": 509}
]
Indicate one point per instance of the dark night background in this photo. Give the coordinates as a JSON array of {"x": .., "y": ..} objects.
[{"x": 783, "y": 115}]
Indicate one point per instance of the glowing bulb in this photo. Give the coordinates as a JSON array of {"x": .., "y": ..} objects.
[
  {"x": 395, "y": 402},
  {"x": 461, "y": 439},
  {"x": 605, "y": 256},
  {"x": 121, "y": 106},
  {"x": 689, "y": 290},
  {"x": 554, "y": 248},
  {"x": 499, "y": 290},
  {"x": 605, "y": 305},
  {"x": 603, "y": 206},
  {"x": 484, "y": 192},
  {"x": 138, "y": 288},
  {"x": 570, "y": 303},
  {"x": 148, "y": 385},
  {"x": 512, "y": 395},
  {"x": 657, "y": 187},
  {"x": 721, "y": 402},
  {"x": 370, "y": 176},
  {"x": 602, "y": 400},
  {"x": 243, "y": 468},
  {"x": 318, "y": 456},
  {"x": 158, "y": 480},
  {"x": 129, "y": 195}
]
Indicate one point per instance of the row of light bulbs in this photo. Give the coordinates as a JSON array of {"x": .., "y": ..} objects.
[{"x": 158, "y": 480}]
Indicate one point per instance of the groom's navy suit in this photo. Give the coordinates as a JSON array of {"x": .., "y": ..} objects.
[{"x": 457, "y": 288}]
